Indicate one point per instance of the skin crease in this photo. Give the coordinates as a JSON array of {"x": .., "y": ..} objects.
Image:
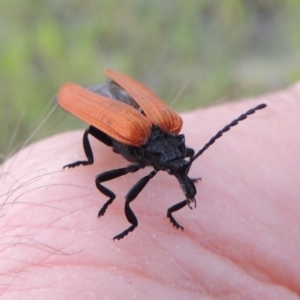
[{"x": 241, "y": 242}]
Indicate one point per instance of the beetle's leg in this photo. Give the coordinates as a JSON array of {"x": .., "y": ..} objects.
[
  {"x": 190, "y": 152},
  {"x": 195, "y": 180},
  {"x": 99, "y": 135},
  {"x": 131, "y": 195},
  {"x": 174, "y": 208},
  {"x": 109, "y": 175}
]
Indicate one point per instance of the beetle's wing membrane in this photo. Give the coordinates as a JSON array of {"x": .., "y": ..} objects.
[
  {"x": 154, "y": 108},
  {"x": 112, "y": 90},
  {"x": 118, "y": 120}
]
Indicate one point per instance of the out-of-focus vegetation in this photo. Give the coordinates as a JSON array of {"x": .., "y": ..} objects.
[{"x": 217, "y": 50}]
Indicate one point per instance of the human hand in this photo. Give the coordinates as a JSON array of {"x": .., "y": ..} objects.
[{"x": 241, "y": 242}]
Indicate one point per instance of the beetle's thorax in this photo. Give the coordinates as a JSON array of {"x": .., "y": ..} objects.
[{"x": 164, "y": 151}]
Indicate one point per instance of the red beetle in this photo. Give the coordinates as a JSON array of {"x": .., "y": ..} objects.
[{"x": 127, "y": 116}]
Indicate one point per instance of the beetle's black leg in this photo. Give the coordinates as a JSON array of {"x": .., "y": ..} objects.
[
  {"x": 174, "y": 208},
  {"x": 195, "y": 180},
  {"x": 98, "y": 134},
  {"x": 190, "y": 152},
  {"x": 109, "y": 175},
  {"x": 131, "y": 195}
]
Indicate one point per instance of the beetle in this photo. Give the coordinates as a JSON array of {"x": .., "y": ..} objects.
[{"x": 127, "y": 116}]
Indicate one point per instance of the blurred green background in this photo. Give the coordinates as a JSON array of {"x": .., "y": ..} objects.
[{"x": 211, "y": 50}]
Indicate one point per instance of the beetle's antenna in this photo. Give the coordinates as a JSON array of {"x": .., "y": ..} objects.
[{"x": 227, "y": 127}]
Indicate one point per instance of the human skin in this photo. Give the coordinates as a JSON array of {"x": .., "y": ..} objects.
[{"x": 241, "y": 242}]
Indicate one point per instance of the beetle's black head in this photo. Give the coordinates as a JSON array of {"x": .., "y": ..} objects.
[
  {"x": 180, "y": 169},
  {"x": 167, "y": 152}
]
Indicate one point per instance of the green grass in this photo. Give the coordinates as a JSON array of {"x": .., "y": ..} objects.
[{"x": 218, "y": 50}]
